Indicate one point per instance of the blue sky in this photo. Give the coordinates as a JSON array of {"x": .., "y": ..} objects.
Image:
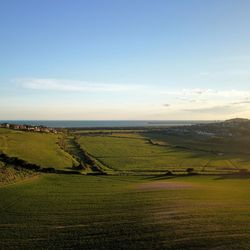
[{"x": 133, "y": 59}]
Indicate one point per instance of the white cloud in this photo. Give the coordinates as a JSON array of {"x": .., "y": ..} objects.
[
  {"x": 140, "y": 101},
  {"x": 242, "y": 102},
  {"x": 232, "y": 93},
  {"x": 85, "y": 86},
  {"x": 74, "y": 86},
  {"x": 226, "y": 109}
]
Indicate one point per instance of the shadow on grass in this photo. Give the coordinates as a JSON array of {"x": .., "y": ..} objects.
[
  {"x": 67, "y": 172},
  {"x": 217, "y": 176}
]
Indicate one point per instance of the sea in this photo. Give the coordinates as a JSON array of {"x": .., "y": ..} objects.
[{"x": 107, "y": 123}]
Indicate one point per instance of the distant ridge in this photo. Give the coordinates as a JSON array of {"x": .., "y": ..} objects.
[{"x": 237, "y": 120}]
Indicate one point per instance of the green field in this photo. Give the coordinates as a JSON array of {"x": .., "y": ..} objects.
[
  {"x": 38, "y": 148},
  {"x": 235, "y": 151},
  {"x": 135, "y": 206},
  {"x": 112, "y": 212},
  {"x": 135, "y": 153},
  {"x": 123, "y": 152},
  {"x": 237, "y": 145}
]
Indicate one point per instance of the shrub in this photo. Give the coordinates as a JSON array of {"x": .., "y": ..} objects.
[
  {"x": 190, "y": 170},
  {"x": 243, "y": 171},
  {"x": 168, "y": 173}
]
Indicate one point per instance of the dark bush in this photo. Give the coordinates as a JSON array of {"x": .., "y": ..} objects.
[
  {"x": 18, "y": 162},
  {"x": 190, "y": 171},
  {"x": 78, "y": 167},
  {"x": 48, "y": 170},
  {"x": 168, "y": 173},
  {"x": 243, "y": 171}
]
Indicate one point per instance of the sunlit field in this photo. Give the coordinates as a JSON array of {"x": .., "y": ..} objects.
[
  {"x": 38, "y": 148},
  {"x": 136, "y": 153},
  {"x": 125, "y": 125},
  {"x": 130, "y": 204},
  {"x": 112, "y": 212}
]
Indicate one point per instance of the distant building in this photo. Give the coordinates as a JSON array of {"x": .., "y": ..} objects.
[{"x": 29, "y": 128}]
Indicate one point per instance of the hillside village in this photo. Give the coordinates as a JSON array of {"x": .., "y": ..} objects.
[{"x": 21, "y": 127}]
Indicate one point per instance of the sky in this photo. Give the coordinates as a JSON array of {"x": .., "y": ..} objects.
[{"x": 120, "y": 60}]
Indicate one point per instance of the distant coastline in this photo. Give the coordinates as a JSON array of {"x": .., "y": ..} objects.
[{"x": 107, "y": 123}]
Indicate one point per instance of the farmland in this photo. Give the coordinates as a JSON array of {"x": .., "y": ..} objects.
[
  {"x": 37, "y": 148},
  {"x": 119, "y": 195},
  {"x": 143, "y": 153},
  {"x": 112, "y": 212}
]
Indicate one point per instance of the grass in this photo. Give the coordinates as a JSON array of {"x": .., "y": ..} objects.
[
  {"x": 237, "y": 145},
  {"x": 125, "y": 152},
  {"x": 133, "y": 152},
  {"x": 59, "y": 211},
  {"x": 38, "y": 148},
  {"x": 86, "y": 165},
  {"x": 234, "y": 151},
  {"x": 11, "y": 174},
  {"x": 112, "y": 212}
]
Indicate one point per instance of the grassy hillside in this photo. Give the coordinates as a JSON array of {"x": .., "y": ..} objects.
[
  {"x": 10, "y": 174},
  {"x": 131, "y": 152},
  {"x": 38, "y": 148},
  {"x": 112, "y": 212}
]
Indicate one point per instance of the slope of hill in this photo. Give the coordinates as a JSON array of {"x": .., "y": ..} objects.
[
  {"x": 237, "y": 120},
  {"x": 11, "y": 174},
  {"x": 38, "y": 148}
]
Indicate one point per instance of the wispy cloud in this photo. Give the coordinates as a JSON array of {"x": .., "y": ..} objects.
[
  {"x": 147, "y": 99},
  {"x": 241, "y": 102},
  {"x": 73, "y": 85},
  {"x": 214, "y": 93},
  {"x": 203, "y": 92},
  {"x": 224, "y": 109},
  {"x": 85, "y": 86},
  {"x": 166, "y": 105}
]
